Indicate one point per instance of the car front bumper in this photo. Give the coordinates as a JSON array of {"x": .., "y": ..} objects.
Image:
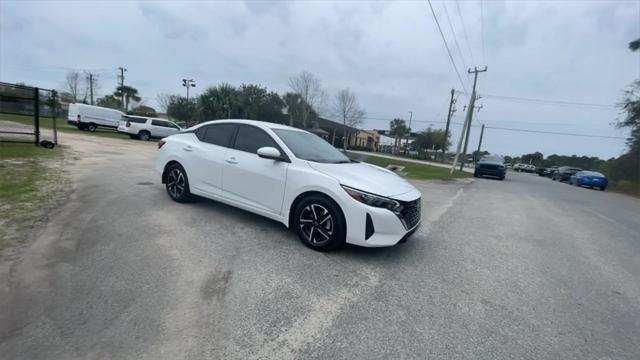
[
  {"x": 388, "y": 228},
  {"x": 490, "y": 172}
]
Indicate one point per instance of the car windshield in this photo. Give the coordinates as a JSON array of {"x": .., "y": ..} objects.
[
  {"x": 307, "y": 146},
  {"x": 492, "y": 158}
]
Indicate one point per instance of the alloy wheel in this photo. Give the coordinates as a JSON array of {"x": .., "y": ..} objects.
[
  {"x": 176, "y": 183},
  {"x": 316, "y": 224}
]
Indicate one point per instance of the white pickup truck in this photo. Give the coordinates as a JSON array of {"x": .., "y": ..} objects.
[{"x": 145, "y": 128}]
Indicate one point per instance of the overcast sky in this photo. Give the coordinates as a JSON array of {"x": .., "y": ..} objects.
[{"x": 390, "y": 53}]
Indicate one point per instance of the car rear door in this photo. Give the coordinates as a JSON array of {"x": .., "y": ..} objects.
[
  {"x": 159, "y": 128},
  {"x": 249, "y": 179},
  {"x": 205, "y": 157}
]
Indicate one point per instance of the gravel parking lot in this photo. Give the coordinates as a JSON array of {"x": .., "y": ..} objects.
[{"x": 524, "y": 268}]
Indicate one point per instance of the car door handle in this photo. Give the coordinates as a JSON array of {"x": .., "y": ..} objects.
[
  {"x": 231, "y": 161},
  {"x": 187, "y": 148}
]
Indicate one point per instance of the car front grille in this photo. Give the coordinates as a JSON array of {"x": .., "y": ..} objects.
[
  {"x": 410, "y": 213},
  {"x": 488, "y": 166}
]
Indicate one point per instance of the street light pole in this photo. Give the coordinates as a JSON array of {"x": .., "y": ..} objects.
[{"x": 188, "y": 84}]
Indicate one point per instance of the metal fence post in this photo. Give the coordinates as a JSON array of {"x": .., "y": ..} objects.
[
  {"x": 54, "y": 111},
  {"x": 36, "y": 115}
]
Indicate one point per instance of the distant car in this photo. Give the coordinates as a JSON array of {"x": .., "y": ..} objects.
[
  {"x": 564, "y": 173},
  {"x": 540, "y": 170},
  {"x": 145, "y": 128},
  {"x": 518, "y": 167},
  {"x": 89, "y": 117},
  {"x": 490, "y": 166},
  {"x": 592, "y": 179},
  {"x": 529, "y": 168},
  {"x": 550, "y": 171}
]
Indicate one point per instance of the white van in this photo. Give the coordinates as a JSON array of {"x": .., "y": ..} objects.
[{"x": 89, "y": 117}]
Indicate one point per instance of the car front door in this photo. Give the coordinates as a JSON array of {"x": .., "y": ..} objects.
[
  {"x": 205, "y": 157},
  {"x": 249, "y": 179}
]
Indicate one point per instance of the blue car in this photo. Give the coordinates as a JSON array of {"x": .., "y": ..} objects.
[{"x": 591, "y": 179}]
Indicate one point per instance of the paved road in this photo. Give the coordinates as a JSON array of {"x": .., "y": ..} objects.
[{"x": 523, "y": 268}]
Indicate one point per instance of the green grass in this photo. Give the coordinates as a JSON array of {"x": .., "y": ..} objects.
[
  {"x": 413, "y": 170},
  {"x": 9, "y": 150},
  {"x": 625, "y": 187},
  {"x": 62, "y": 125},
  {"x": 30, "y": 177}
]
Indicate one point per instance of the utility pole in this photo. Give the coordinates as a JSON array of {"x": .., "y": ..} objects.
[
  {"x": 406, "y": 143},
  {"x": 188, "y": 84},
  {"x": 467, "y": 121},
  {"x": 446, "y": 129},
  {"x": 121, "y": 78},
  {"x": 91, "y": 87},
  {"x": 480, "y": 142}
]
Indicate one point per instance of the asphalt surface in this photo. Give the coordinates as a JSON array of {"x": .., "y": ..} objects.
[{"x": 523, "y": 268}]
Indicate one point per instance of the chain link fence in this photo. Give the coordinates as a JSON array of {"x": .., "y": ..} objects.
[{"x": 25, "y": 111}]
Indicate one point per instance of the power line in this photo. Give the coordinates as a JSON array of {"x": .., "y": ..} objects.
[
  {"x": 546, "y": 101},
  {"x": 482, "y": 29},
  {"x": 510, "y": 129},
  {"x": 447, "y": 46},
  {"x": 556, "y": 133},
  {"x": 455, "y": 38},
  {"x": 464, "y": 31}
]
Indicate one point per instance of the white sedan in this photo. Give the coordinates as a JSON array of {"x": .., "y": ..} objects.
[{"x": 291, "y": 176}]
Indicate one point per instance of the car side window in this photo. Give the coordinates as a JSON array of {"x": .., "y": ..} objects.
[
  {"x": 251, "y": 138},
  {"x": 159, "y": 123},
  {"x": 216, "y": 134}
]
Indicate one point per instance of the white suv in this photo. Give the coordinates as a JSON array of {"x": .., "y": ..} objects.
[
  {"x": 291, "y": 176},
  {"x": 145, "y": 128}
]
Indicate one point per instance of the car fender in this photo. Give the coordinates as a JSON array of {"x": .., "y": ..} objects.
[{"x": 327, "y": 186}]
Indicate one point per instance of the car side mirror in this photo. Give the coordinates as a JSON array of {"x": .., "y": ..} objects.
[{"x": 269, "y": 152}]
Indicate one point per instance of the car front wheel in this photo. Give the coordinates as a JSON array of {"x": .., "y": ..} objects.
[
  {"x": 177, "y": 183},
  {"x": 319, "y": 223}
]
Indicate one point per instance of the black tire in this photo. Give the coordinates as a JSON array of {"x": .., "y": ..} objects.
[
  {"x": 144, "y": 135},
  {"x": 319, "y": 223},
  {"x": 177, "y": 184},
  {"x": 92, "y": 127}
]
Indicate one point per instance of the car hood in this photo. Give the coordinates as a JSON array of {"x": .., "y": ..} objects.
[{"x": 366, "y": 177}]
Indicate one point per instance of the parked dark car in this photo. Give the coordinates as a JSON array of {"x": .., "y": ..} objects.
[
  {"x": 564, "y": 173},
  {"x": 592, "y": 179},
  {"x": 550, "y": 171},
  {"x": 540, "y": 170},
  {"x": 490, "y": 166}
]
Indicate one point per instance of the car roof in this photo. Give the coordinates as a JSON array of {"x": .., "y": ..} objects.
[{"x": 262, "y": 124}]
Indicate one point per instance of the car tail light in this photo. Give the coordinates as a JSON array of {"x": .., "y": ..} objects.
[{"x": 161, "y": 143}]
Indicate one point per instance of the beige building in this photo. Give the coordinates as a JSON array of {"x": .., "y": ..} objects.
[{"x": 365, "y": 138}]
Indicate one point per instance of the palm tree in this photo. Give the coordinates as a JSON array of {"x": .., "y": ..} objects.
[
  {"x": 127, "y": 93},
  {"x": 398, "y": 128}
]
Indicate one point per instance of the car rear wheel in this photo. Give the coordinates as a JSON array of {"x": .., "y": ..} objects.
[
  {"x": 177, "y": 183},
  {"x": 319, "y": 223},
  {"x": 144, "y": 135},
  {"x": 92, "y": 127}
]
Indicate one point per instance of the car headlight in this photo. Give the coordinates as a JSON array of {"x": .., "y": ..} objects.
[{"x": 373, "y": 200}]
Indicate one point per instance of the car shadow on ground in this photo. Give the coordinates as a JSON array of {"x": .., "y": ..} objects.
[{"x": 261, "y": 223}]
